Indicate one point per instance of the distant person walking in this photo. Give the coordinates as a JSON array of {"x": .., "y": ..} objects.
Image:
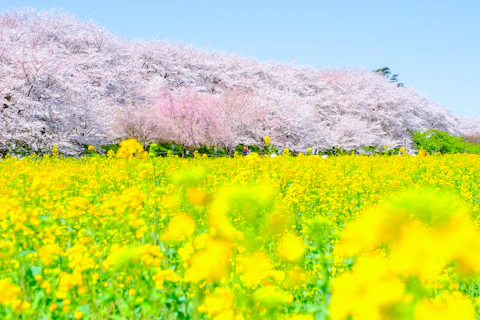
[{"x": 245, "y": 150}]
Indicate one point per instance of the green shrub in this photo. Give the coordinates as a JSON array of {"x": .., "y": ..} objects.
[{"x": 434, "y": 141}]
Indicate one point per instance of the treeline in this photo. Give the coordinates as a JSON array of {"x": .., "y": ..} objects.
[{"x": 71, "y": 83}]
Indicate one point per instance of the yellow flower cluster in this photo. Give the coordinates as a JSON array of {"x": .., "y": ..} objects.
[
  {"x": 10, "y": 296},
  {"x": 55, "y": 151},
  {"x": 131, "y": 148},
  {"x": 413, "y": 236},
  {"x": 240, "y": 238}
]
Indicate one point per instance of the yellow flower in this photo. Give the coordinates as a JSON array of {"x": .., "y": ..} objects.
[
  {"x": 54, "y": 151},
  {"x": 186, "y": 251},
  {"x": 255, "y": 268},
  {"x": 11, "y": 295},
  {"x": 365, "y": 293},
  {"x": 91, "y": 148},
  {"x": 180, "y": 227},
  {"x": 425, "y": 258},
  {"x": 211, "y": 263},
  {"x": 297, "y": 276},
  {"x": 164, "y": 275},
  {"x": 46, "y": 286},
  {"x": 291, "y": 248},
  {"x": 131, "y": 148},
  {"x": 82, "y": 290},
  {"x": 196, "y": 197},
  {"x": 216, "y": 303},
  {"x": 47, "y": 252}
]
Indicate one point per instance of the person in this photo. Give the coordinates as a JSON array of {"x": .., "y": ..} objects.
[{"x": 245, "y": 150}]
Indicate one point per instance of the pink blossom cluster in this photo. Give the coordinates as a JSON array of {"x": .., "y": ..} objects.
[{"x": 194, "y": 119}]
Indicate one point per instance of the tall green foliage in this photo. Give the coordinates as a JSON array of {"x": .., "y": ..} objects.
[{"x": 438, "y": 141}]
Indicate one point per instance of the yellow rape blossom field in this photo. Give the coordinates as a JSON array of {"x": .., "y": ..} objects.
[{"x": 132, "y": 237}]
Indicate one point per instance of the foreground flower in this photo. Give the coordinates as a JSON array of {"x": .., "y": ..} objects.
[{"x": 291, "y": 248}]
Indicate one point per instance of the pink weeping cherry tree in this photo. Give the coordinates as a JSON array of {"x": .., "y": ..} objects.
[{"x": 192, "y": 119}]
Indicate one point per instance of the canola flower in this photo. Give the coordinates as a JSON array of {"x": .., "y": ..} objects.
[
  {"x": 421, "y": 234},
  {"x": 55, "y": 152},
  {"x": 137, "y": 237},
  {"x": 131, "y": 148}
]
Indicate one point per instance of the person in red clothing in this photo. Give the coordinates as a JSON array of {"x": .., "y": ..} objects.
[{"x": 245, "y": 150}]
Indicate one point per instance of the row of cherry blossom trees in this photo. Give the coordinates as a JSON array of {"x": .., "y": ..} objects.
[{"x": 70, "y": 83}]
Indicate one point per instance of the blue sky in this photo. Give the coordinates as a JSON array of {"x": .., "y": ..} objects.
[{"x": 433, "y": 45}]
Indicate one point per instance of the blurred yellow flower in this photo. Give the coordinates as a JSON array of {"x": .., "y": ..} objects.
[
  {"x": 216, "y": 303},
  {"x": 131, "y": 148},
  {"x": 181, "y": 226},
  {"x": 255, "y": 268},
  {"x": 291, "y": 248}
]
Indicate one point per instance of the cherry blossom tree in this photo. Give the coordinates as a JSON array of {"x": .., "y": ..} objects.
[
  {"x": 391, "y": 110},
  {"x": 192, "y": 119},
  {"x": 470, "y": 128},
  {"x": 63, "y": 83},
  {"x": 244, "y": 118},
  {"x": 469, "y": 125}
]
